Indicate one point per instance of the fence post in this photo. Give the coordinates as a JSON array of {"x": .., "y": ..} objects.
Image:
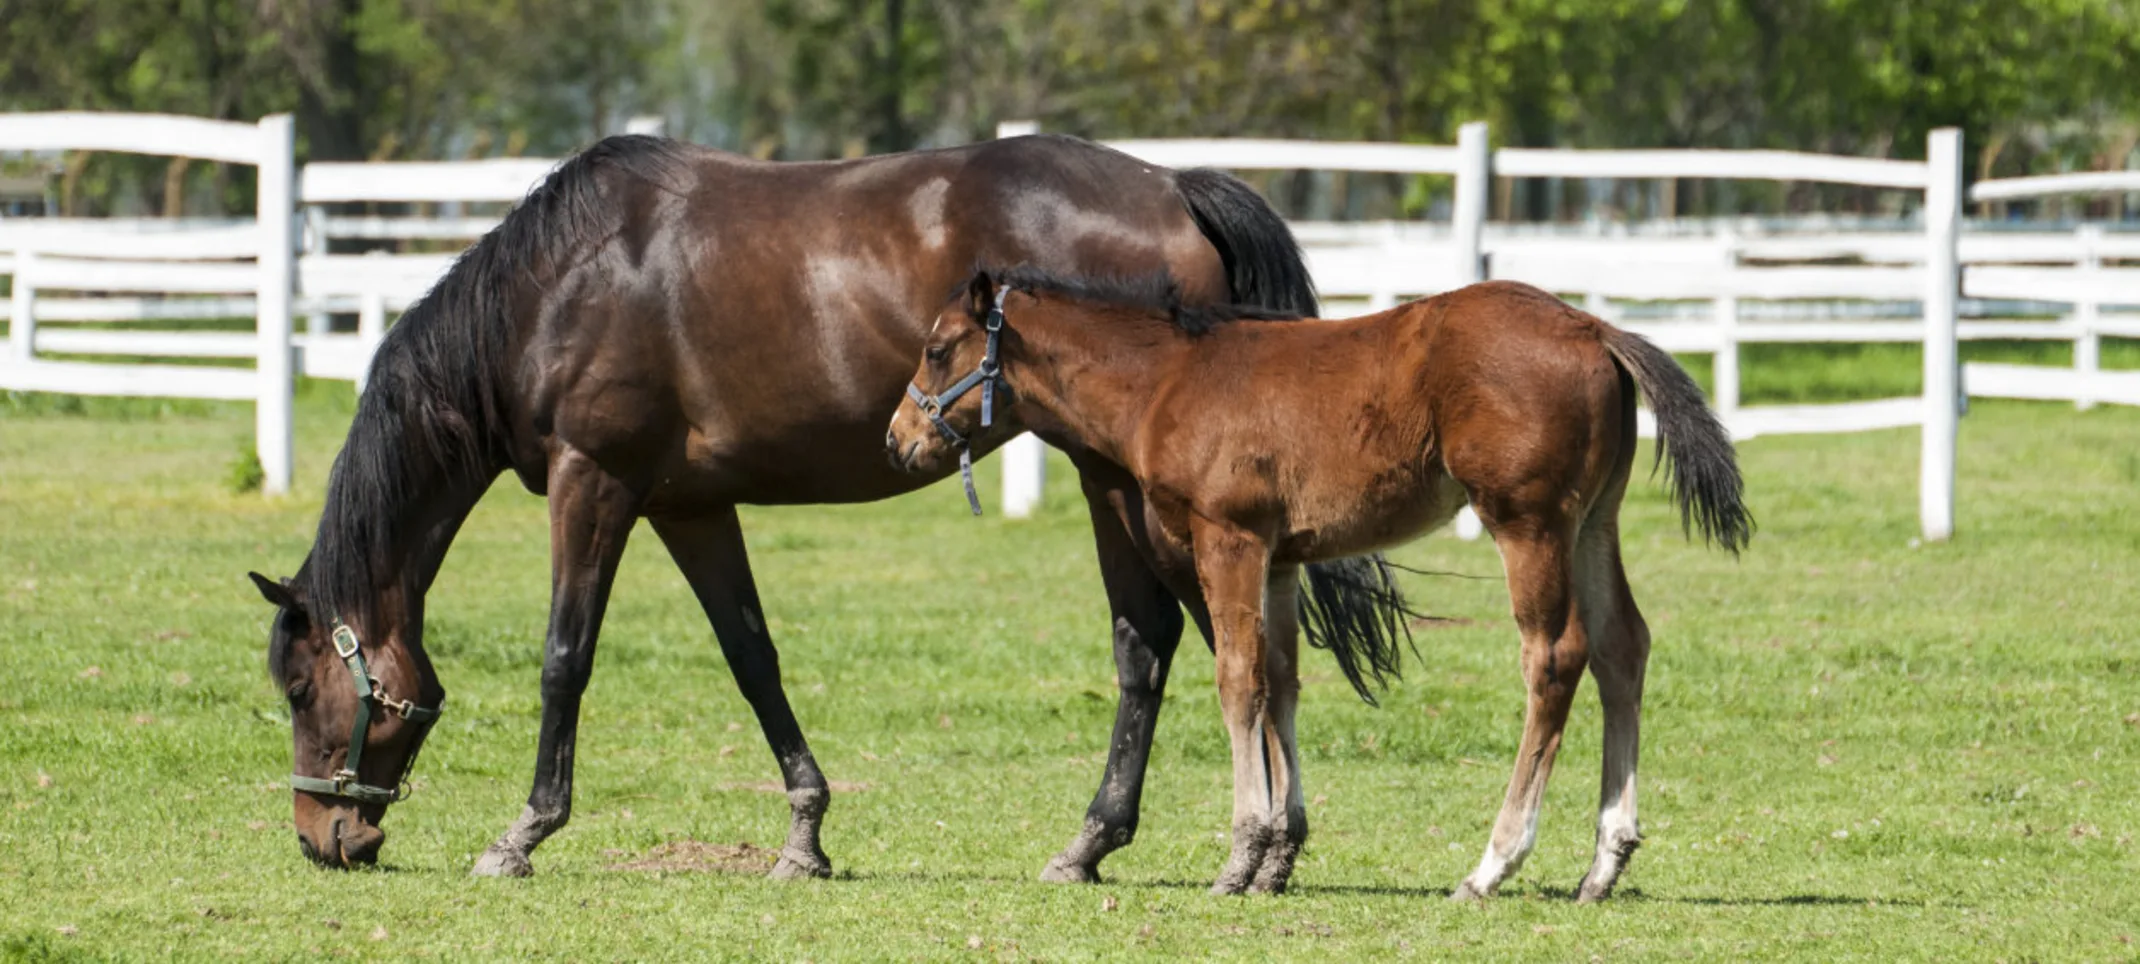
[
  {"x": 276, "y": 211},
  {"x": 22, "y": 309},
  {"x": 1025, "y": 458},
  {"x": 1474, "y": 178},
  {"x": 319, "y": 322},
  {"x": 371, "y": 329},
  {"x": 1943, "y": 281},
  {"x": 2088, "y": 347},
  {"x": 1727, "y": 331}
]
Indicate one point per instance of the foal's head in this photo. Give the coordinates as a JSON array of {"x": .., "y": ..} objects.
[
  {"x": 346, "y": 690},
  {"x": 957, "y": 399}
]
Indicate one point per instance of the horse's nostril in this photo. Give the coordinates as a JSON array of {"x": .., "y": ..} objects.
[{"x": 361, "y": 843}]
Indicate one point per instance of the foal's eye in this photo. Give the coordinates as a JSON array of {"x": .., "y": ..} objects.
[{"x": 937, "y": 353}]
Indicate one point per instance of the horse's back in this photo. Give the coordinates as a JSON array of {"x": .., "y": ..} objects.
[{"x": 750, "y": 324}]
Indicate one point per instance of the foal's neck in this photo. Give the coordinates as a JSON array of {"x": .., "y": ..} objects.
[{"x": 1094, "y": 373}]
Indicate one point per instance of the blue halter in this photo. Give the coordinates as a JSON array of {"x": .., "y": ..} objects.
[{"x": 986, "y": 376}]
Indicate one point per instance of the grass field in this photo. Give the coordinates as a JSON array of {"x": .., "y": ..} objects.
[{"x": 1856, "y": 747}]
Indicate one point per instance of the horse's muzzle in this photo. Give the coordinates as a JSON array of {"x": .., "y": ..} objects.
[{"x": 350, "y": 843}]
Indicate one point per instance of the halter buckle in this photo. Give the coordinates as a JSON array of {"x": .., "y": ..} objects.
[{"x": 345, "y": 641}]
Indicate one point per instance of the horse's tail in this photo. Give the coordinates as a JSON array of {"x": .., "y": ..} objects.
[
  {"x": 1705, "y": 469},
  {"x": 1263, "y": 262},
  {"x": 1351, "y": 607}
]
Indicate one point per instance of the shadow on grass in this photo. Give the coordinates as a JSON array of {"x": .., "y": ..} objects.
[
  {"x": 1792, "y": 900},
  {"x": 1546, "y": 893}
]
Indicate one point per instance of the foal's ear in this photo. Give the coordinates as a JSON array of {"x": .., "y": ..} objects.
[
  {"x": 276, "y": 593},
  {"x": 980, "y": 295}
]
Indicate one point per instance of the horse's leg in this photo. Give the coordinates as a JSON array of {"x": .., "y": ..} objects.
[
  {"x": 1148, "y": 627},
  {"x": 1619, "y": 656},
  {"x": 1233, "y": 566},
  {"x": 1289, "y": 825},
  {"x": 591, "y": 515},
  {"x": 1536, "y": 554},
  {"x": 709, "y": 550}
]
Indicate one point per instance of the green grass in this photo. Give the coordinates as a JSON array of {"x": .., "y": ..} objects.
[{"x": 1856, "y": 747}]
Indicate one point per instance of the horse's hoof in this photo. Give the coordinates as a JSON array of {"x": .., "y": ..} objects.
[
  {"x": 1061, "y": 871},
  {"x": 801, "y": 866},
  {"x": 502, "y": 863},
  {"x": 1465, "y": 893},
  {"x": 1229, "y": 884},
  {"x": 1591, "y": 893}
]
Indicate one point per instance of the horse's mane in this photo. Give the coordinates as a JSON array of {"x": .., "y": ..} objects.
[
  {"x": 1156, "y": 292},
  {"x": 433, "y": 412}
]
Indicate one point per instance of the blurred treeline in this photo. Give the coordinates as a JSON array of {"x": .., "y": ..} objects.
[{"x": 2039, "y": 85}]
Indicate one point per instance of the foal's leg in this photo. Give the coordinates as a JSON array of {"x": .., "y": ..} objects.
[
  {"x": 1148, "y": 626},
  {"x": 1619, "y": 656},
  {"x": 591, "y": 515},
  {"x": 709, "y": 550},
  {"x": 1233, "y": 566},
  {"x": 1289, "y": 825},
  {"x": 1535, "y": 554}
]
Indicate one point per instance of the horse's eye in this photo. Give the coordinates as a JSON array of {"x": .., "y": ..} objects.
[
  {"x": 937, "y": 353},
  {"x": 299, "y": 693}
]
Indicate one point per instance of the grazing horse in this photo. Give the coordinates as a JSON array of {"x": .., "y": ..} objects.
[
  {"x": 665, "y": 332},
  {"x": 1265, "y": 447}
]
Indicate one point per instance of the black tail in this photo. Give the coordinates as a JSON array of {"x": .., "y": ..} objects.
[
  {"x": 1351, "y": 607},
  {"x": 1705, "y": 469},
  {"x": 1263, "y": 262}
]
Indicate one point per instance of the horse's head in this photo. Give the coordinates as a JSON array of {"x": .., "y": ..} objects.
[
  {"x": 957, "y": 395},
  {"x": 360, "y": 705}
]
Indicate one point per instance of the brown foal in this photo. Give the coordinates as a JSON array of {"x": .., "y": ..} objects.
[{"x": 1262, "y": 447}]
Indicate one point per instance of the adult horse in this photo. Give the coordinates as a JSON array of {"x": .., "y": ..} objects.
[{"x": 666, "y": 332}]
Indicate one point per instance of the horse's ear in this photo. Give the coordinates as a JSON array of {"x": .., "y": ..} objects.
[
  {"x": 276, "y": 593},
  {"x": 980, "y": 295}
]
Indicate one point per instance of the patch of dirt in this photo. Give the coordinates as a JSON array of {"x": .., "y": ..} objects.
[
  {"x": 768, "y": 786},
  {"x": 681, "y": 856}
]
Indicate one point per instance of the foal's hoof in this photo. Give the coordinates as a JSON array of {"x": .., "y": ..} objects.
[
  {"x": 796, "y": 865},
  {"x": 502, "y": 863},
  {"x": 1064, "y": 871},
  {"x": 1233, "y": 881},
  {"x": 1465, "y": 893}
]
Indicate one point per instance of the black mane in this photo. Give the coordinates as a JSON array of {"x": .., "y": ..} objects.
[
  {"x": 433, "y": 418},
  {"x": 1156, "y": 292}
]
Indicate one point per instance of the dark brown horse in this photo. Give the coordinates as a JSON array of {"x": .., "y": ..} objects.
[
  {"x": 1264, "y": 447},
  {"x": 666, "y": 332}
]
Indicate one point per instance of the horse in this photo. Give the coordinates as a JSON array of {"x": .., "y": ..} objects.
[
  {"x": 664, "y": 331},
  {"x": 1263, "y": 446}
]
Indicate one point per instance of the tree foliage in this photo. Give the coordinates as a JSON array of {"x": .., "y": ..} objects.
[{"x": 2036, "y": 83}]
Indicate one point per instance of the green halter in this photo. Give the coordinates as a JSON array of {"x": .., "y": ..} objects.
[{"x": 344, "y": 781}]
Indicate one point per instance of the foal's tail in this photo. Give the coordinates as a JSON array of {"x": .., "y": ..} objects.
[{"x": 1705, "y": 469}]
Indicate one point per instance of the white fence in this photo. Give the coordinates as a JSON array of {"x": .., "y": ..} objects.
[
  {"x": 1701, "y": 293},
  {"x": 1381, "y": 264},
  {"x": 218, "y": 270}
]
